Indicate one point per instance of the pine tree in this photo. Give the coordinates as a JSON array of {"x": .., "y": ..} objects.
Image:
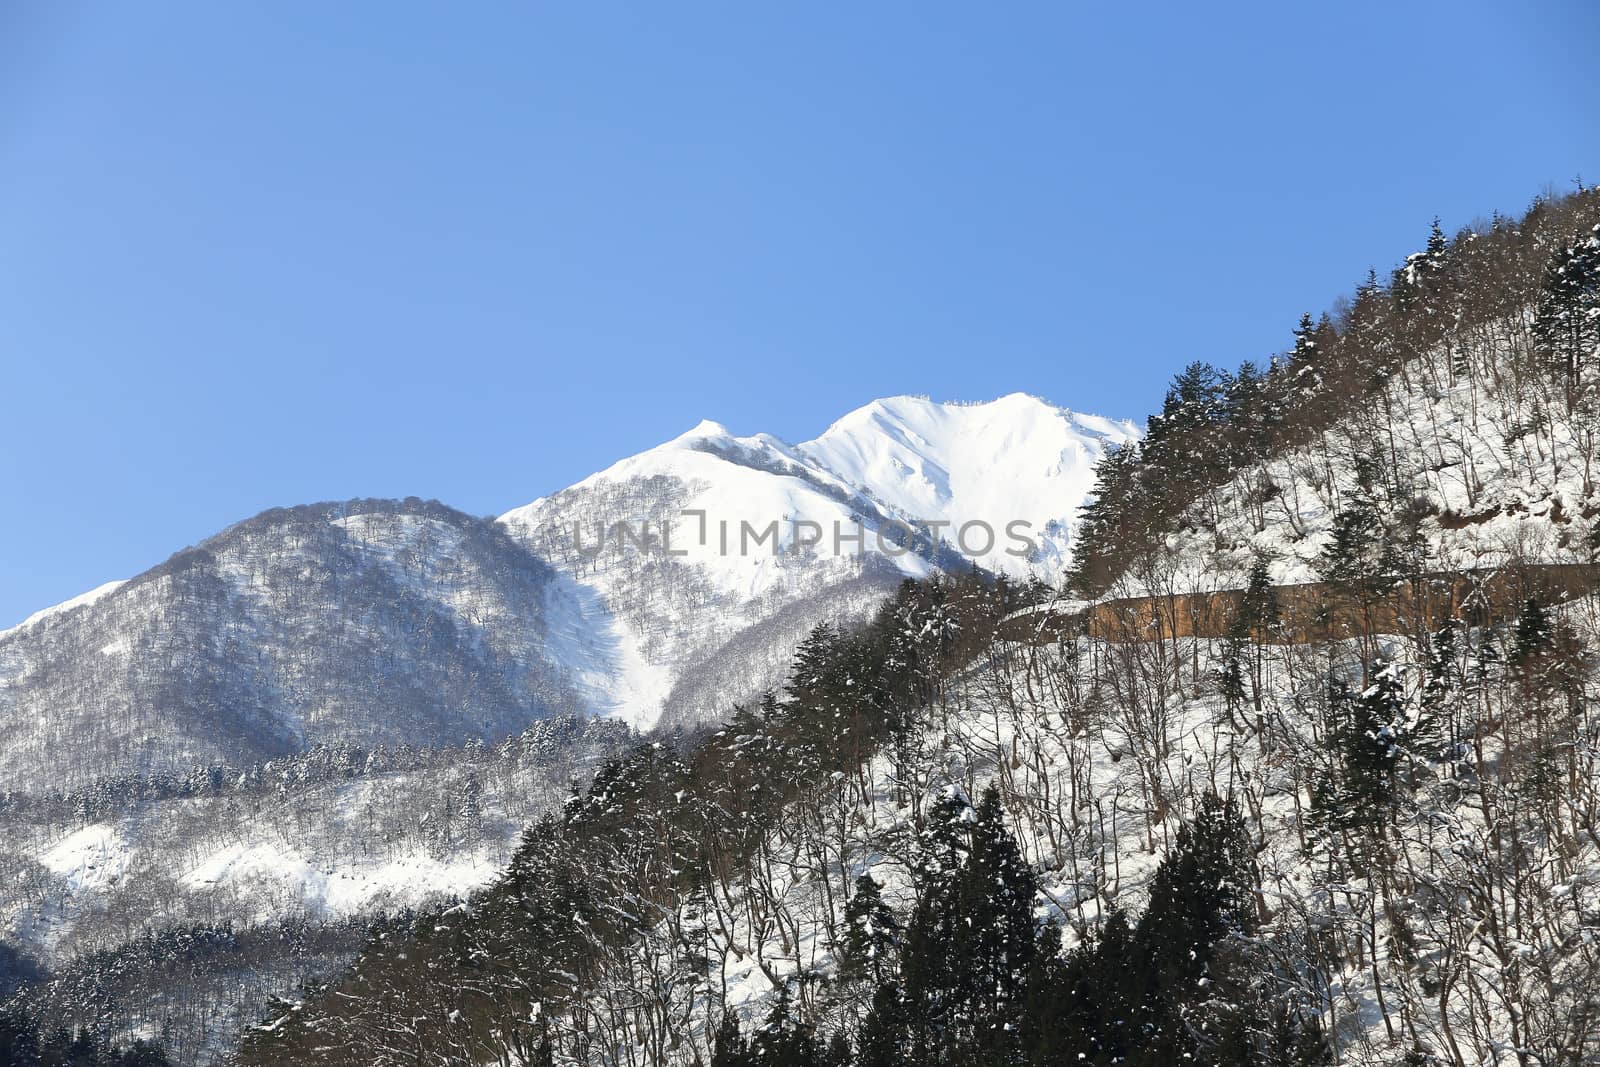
[
  {"x": 970, "y": 944},
  {"x": 728, "y": 1046},
  {"x": 1566, "y": 325},
  {"x": 783, "y": 1040},
  {"x": 871, "y": 933},
  {"x": 1442, "y": 686},
  {"x": 1535, "y": 634},
  {"x": 1258, "y": 608},
  {"x": 1196, "y": 402},
  {"x": 885, "y": 1032},
  {"x": 1368, "y": 730},
  {"x": 1147, "y": 996},
  {"x": 1256, "y": 617},
  {"x": 1418, "y": 280},
  {"x": 1251, "y": 413},
  {"x": 1002, "y": 892},
  {"x": 1266, "y": 1032},
  {"x": 19, "y": 1041},
  {"x": 1203, "y": 891},
  {"x": 1303, "y": 366},
  {"x": 1363, "y": 553},
  {"x": 471, "y": 811},
  {"x": 1305, "y": 342},
  {"x": 1230, "y": 677},
  {"x": 544, "y": 1054}
]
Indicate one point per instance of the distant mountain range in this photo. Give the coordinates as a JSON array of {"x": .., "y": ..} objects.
[{"x": 659, "y": 590}]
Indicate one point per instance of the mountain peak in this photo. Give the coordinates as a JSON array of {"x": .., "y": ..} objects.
[
  {"x": 1015, "y": 459},
  {"x": 703, "y": 429}
]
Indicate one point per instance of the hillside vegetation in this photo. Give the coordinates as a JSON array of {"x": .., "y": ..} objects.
[{"x": 938, "y": 845}]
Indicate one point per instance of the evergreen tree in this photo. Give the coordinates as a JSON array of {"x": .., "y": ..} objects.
[
  {"x": 1566, "y": 324},
  {"x": 1231, "y": 676},
  {"x": 1442, "y": 685},
  {"x": 885, "y": 1032},
  {"x": 728, "y": 1046},
  {"x": 19, "y": 1041},
  {"x": 1203, "y": 891},
  {"x": 1535, "y": 635},
  {"x": 1258, "y": 608},
  {"x": 1302, "y": 370},
  {"x": 1257, "y": 616},
  {"x": 544, "y": 1054},
  {"x": 1196, "y": 402},
  {"x": 1148, "y": 995},
  {"x": 1367, "y": 730},
  {"x": 871, "y": 933},
  {"x": 1363, "y": 552},
  {"x": 21, "y": 1045},
  {"x": 1111, "y": 520},
  {"x": 1305, "y": 343},
  {"x": 970, "y": 944},
  {"x": 1443, "y": 671},
  {"x": 1252, "y": 413},
  {"x": 783, "y": 1040},
  {"x": 1418, "y": 281}
]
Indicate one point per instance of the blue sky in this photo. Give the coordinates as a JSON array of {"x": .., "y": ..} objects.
[{"x": 255, "y": 255}]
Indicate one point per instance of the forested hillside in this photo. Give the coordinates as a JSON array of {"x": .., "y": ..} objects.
[
  {"x": 221, "y": 775},
  {"x": 940, "y": 846},
  {"x": 1443, "y": 421},
  {"x": 362, "y": 624},
  {"x": 170, "y": 906}
]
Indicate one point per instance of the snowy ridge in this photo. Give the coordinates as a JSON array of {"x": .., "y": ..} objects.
[
  {"x": 254, "y": 639},
  {"x": 1015, "y": 458},
  {"x": 737, "y": 515},
  {"x": 82, "y": 600}
]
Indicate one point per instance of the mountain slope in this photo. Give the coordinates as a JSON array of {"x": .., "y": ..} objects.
[
  {"x": 743, "y": 532},
  {"x": 1373, "y": 845},
  {"x": 344, "y": 660},
  {"x": 1017, "y": 458},
  {"x": 671, "y": 584},
  {"x": 366, "y": 624}
]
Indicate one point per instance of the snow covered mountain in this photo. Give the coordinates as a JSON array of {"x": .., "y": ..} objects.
[
  {"x": 1368, "y": 840},
  {"x": 658, "y": 590},
  {"x": 705, "y": 560},
  {"x": 363, "y": 624},
  {"x": 1015, "y": 459},
  {"x": 343, "y": 662}
]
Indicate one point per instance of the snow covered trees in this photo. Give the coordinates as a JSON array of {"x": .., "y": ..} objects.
[
  {"x": 1364, "y": 732},
  {"x": 22, "y": 1045},
  {"x": 872, "y": 933},
  {"x": 1566, "y": 325},
  {"x": 1486, "y": 301},
  {"x": 971, "y": 940},
  {"x": 1403, "y": 869}
]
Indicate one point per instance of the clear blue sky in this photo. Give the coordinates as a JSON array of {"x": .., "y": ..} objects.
[{"x": 264, "y": 254}]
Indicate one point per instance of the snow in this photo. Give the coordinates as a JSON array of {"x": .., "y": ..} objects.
[
  {"x": 88, "y": 859},
  {"x": 1015, "y": 458},
  {"x": 738, "y": 513},
  {"x": 602, "y": 656},
  {"x": 1494, "y": 494},
  {"x": 276, "y": 873}
]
